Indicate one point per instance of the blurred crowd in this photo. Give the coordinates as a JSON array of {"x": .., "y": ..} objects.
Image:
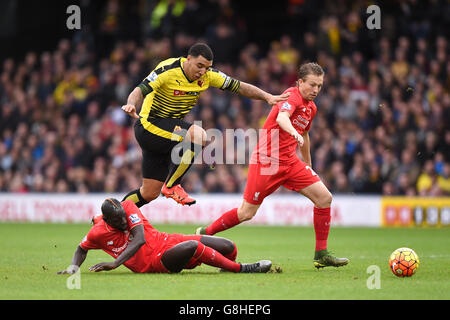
[{"x": 383, "y": 121}]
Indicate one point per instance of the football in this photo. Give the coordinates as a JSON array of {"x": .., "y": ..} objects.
[{"x": 404, "y": 262}]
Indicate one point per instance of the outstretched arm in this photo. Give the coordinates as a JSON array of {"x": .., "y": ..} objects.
[
  {"x": 252, "y": 92},
  {"x": 133, "y": 246},
  {"x": 78, "y": 258}
]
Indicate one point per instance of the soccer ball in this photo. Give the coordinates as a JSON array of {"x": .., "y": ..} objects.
[{"x": 404, "y": 262}]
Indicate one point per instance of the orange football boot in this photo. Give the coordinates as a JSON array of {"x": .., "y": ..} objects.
[{"x": 178, "y": 194}]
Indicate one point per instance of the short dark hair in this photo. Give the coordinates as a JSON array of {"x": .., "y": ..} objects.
[
  {"x": 111, "y": 207},
  {"x": 310, "y": 68},
  {"x": 201, "y": 49}
]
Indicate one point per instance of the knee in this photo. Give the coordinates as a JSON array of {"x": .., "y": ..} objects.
[
  {"x": 197, "y": 135},
  {"x": 324, "y": 200},
  {"x": 149, "y": 194},
  {"x": 190, "y": 246},
  {"x": 229, "y": 246}
]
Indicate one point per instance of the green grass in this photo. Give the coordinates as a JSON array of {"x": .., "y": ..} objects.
[{"x": 32, "y": 253}]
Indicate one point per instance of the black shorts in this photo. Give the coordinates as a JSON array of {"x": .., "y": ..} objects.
[{"x": 156, "y": 143}]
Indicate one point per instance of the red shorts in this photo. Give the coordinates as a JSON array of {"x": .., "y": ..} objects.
[
  {"x": 172, "y": 239},
  {"x": 264, "y": 179}
]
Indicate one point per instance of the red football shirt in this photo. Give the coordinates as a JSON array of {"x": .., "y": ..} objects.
[
  {"x": 276, "y": 145},
  {"x": 114, "y": 241}
]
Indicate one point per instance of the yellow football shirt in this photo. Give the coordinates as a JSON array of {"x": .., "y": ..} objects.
[{"x": 170, "y": 94}]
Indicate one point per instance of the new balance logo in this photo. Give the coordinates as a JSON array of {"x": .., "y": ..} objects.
[{"x": 255, "y": 197}]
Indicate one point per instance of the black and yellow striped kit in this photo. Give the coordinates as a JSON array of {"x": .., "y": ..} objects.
[{"x": 170, "y": 94}]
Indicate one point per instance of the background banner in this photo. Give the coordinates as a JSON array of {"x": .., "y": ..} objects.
[
  {"x": 415, "y": 211},
  {"x": 287, "y": 210}
]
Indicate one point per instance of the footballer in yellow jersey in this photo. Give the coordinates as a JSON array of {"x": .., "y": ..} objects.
[
  {"x": 167, "y": 94},
  {"x": 170, "y": 94}
]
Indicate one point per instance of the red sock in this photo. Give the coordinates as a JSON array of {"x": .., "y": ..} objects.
[
  {"x": 227, "y": 220},
  {"x": 211, "y": 257},
  {"x": 322, "y": 217}
]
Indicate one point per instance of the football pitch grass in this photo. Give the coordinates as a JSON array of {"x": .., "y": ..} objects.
[{"x": 33, "y": 253}]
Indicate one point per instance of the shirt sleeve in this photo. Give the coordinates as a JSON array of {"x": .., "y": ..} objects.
[
  {"x": 220, "y": 80},
  {"x": 289, "y": 105},
  {"x": 134, "y": 214},
  {"x": 152, "y": 83},
  {"x": 89, "y": 242}
]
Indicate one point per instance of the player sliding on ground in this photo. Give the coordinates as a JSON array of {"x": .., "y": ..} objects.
[
  {"x": 274, "y": 163},
  {"x": 125, "y": 234},
  {"x": 167, "y": 95}
]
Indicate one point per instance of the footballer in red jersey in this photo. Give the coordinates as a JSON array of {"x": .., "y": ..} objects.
[
  {"x": 125, "y": 234},
  {"x": 274, "y": 163}
]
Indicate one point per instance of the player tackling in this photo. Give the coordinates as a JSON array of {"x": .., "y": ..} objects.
[
  {"x": 125, "y": 234},
  {"x": 270, "y": 167}
]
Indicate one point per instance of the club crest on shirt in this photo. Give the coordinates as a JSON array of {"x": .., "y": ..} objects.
[
  {"x": 134, "y": 218},
  {"x": 200, "y": 83}
]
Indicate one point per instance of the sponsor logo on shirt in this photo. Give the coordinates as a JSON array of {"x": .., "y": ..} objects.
[
  {"x": 117, "y": 250},
  {"x": 301, "y": 122},
  {"x": 185, "y": 93}
]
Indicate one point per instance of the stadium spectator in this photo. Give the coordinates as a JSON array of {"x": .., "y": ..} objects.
[
  {"x": 443, "y": 180},
  {"x": 427, "y": 179},
  {"x": 393, "y": 91}
]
